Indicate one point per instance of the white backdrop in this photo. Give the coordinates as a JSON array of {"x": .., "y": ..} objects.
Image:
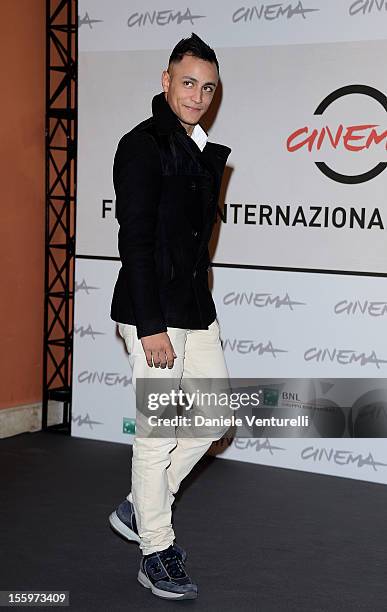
[{"x": 320, "y": 310}]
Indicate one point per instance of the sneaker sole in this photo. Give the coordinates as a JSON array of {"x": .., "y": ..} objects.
[
  {"x": 123, "y": 529},
  {"x": 145, "y": 582}
]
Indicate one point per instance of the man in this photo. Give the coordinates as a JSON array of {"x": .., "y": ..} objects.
[{"x": 167, "y": 180}]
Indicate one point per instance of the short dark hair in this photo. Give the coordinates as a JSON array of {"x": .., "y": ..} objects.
[{"x": 193, "y": 46}]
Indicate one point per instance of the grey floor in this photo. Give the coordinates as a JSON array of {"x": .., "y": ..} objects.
[{"x": 258, "y": 538}]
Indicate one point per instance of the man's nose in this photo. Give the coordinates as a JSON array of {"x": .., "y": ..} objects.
[{"x": 197, "y": 95}]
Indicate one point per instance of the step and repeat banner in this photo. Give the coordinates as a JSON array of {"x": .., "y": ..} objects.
[{"x": 299, "y": 250}]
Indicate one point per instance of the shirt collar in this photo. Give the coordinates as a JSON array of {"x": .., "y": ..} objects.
[{"x": 199, "y": 136}]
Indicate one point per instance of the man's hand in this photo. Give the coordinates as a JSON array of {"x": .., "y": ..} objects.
[{"x": 158, "y": 348}]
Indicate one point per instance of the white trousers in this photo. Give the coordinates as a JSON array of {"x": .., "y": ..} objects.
[{"x": 160, "y": 464}]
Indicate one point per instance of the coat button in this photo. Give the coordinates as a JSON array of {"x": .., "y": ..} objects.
[{"x": 193, "y": 186}]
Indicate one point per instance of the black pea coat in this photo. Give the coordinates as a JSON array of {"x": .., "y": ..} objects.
[{"x": 166, "y": 198}]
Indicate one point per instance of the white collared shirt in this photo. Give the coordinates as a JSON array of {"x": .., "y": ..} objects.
[{"x": 199, "y": 136}]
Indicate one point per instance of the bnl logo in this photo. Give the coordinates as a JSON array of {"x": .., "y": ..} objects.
[
  {"x": 128, "y": 426},
  {"x": 270, "y": 397}
]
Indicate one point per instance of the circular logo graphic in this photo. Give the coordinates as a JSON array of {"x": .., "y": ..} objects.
[{"x": 364, "y": 90}]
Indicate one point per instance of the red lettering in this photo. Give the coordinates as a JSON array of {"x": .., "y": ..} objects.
[
  {"x": 315, "y": 139},
  {"x": 320, "y": 139},
  {"x": 335, "y": 141},
  {"x": 373, "y": 137},
  {"x": 309, "y": 140},
  {"x": 350, "y": 135}
]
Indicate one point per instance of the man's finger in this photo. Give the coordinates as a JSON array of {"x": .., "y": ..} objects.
[
  {"x": 170, "y": 353},
  {"x": 156, "y": 359},
  {"x": 163, "y": 358},
  {"x": 148, "y": 357}
]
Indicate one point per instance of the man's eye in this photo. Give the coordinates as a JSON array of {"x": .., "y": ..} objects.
[
  {"x": 209, "y": 89},
  {"x": 187, "y": 82}
]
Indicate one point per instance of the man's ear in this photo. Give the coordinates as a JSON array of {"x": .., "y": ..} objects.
[{"x": 165, "y": 80}]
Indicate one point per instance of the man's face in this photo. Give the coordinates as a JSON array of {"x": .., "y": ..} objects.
[{"x": 189, "y": 87}]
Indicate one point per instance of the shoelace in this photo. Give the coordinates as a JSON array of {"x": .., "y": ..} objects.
[{"x": 173, "y": 564}]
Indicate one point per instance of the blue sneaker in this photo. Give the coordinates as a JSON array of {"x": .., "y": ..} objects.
[
  {"x": 123, "y": 521},
  {"x": 164, "y": 573}
]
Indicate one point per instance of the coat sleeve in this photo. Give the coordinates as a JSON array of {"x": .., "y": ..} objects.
[{"x": 137, "y": 183}]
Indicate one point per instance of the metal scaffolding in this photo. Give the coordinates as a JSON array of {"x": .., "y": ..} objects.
[{"x": 61, "y": 151}]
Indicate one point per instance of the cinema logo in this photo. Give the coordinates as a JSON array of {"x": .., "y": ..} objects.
[
  {"x": 271, "y": 12},
  {"x": 83, "y": 286},
  {"x": 343, "y": 357},
  {"x": 88, "y": 331},
  {"x": 367, "y": 6},
  {"x": 86, "y": 20},
  {"x": 257, "y": 444},
  {"x": 260, "y": 300},
  {"x": 340, "y": 457},
  {"x": 162, "y": 18},
  {"x": 352, "y": 138},
  {"x": 111, "y": 379},
  {"x": 245, "y": 347},
  {"x": 365, "y": 307},
  {"x": 85, "y": 420}
]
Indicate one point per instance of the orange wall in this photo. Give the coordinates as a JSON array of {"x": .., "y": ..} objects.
[{"x": 22, "y": 61}]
